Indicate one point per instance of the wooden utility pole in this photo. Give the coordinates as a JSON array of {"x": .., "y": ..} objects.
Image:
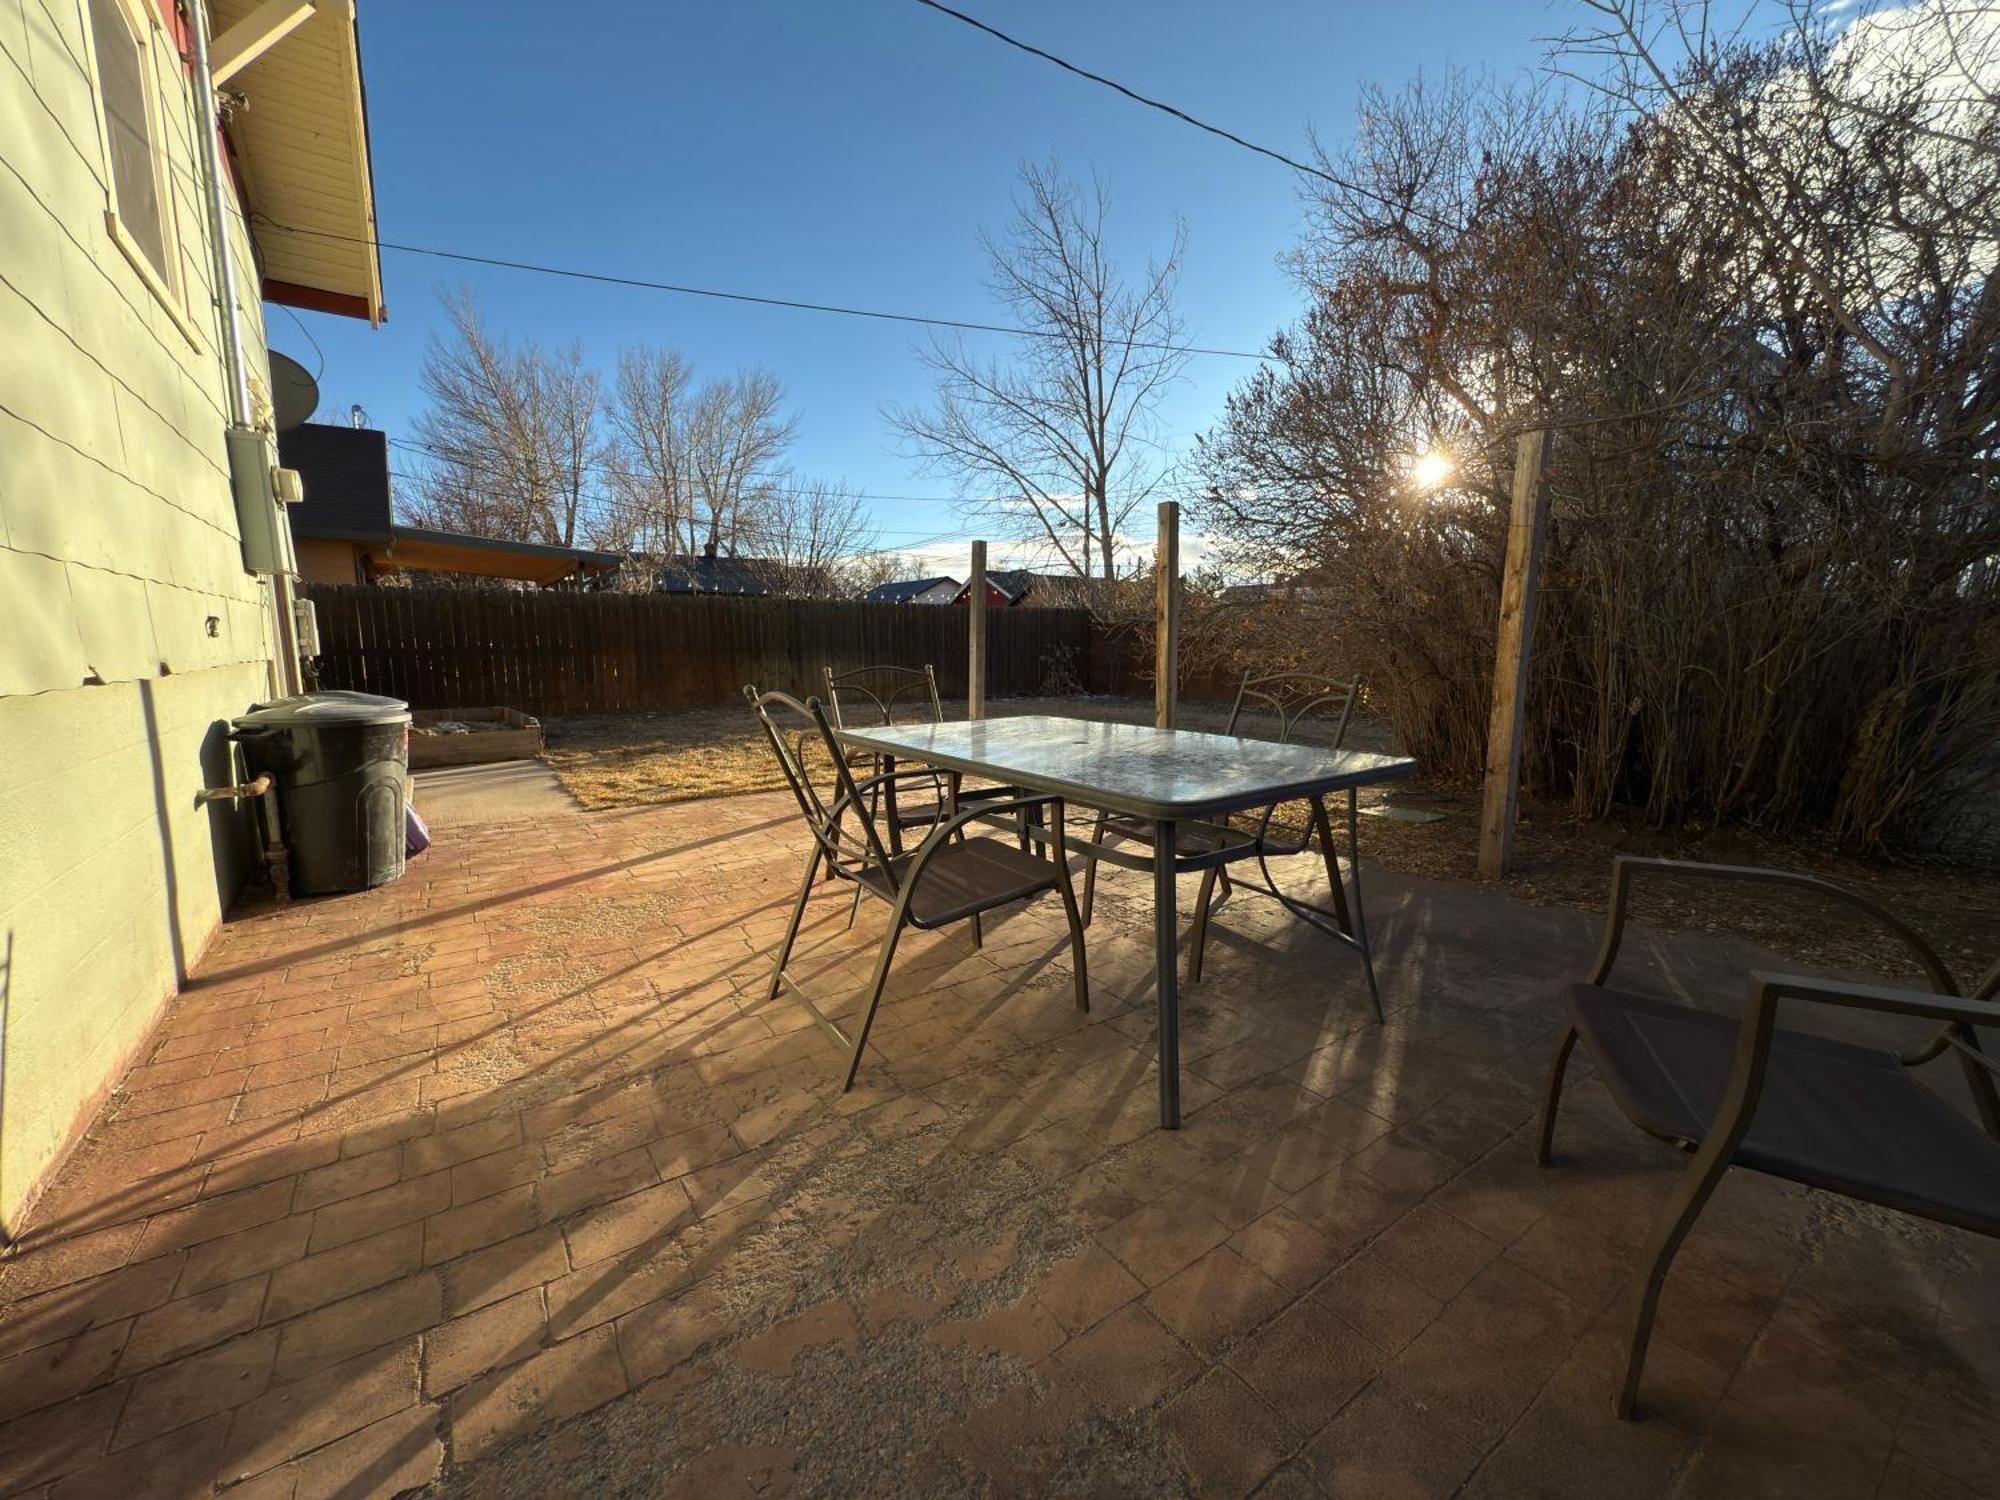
[
  {"x": 1167, "y": 616},
  {"x": 975, "y": 634},
  {"x": 1527, "y": 526}
]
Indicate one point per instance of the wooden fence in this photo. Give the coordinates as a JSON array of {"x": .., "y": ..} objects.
[{"x": 557, "y": 652}]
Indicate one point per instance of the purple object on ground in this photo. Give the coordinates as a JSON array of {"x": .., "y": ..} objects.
[{"x": 416, "y": 832}]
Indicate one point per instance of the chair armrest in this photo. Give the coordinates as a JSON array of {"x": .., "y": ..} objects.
[
  {"x": 922, "y": 773},
  {"x": 984, "y": 808},
  {"x": 855, "y": 799},
  {"x": 1959, "y": 1016},
  {"x": 1754, "y": 1034},
  {"x": 1625, "y": 866},
  {"x": 1888, "y": 999}
]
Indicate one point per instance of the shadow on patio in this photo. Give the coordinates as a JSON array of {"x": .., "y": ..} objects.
[{"x": 506, "y": 1177}]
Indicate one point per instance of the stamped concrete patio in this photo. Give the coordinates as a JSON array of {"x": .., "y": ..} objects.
[{"x": 507, "y": 1179}]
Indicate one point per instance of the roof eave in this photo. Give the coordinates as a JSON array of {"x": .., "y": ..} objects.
[{"x": 304, "y": 143}]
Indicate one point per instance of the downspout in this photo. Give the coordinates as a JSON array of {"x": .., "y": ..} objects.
[
  {"x": 242, "y": 418},
  {"x": 209, "y": 110}
]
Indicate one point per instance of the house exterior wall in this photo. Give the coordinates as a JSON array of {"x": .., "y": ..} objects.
[
  {"x": 327, "y": 562},
  {"x": 129, "y": 631}
]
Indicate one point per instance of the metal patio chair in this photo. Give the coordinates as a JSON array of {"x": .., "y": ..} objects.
[
  {"x": 1294, "y": 697},
  {"x": 864, "y": 697},
  {"x": 1834, "y": 1115},
  {"x": 950, "y": 877},
  {"x": 875, "y": 696}
]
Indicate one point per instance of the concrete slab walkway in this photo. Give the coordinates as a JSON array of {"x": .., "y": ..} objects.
[
  {"x": 508, "y": 1180},
  {"x": 507, "y": 791}
]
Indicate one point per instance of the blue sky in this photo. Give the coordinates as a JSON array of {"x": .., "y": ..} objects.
[{"x": 844, "y": 153}]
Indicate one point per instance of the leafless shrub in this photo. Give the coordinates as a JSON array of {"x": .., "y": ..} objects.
[{"x": 1752, "y": 288}]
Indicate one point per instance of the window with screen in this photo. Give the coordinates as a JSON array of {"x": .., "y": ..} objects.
[{"x": 125, "y": 92}]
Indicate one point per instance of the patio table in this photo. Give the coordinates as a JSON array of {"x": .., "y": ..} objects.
[{"x": 1165, "y": 776}]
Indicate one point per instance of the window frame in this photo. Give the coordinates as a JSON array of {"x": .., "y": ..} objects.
[{"x": 147, "y": 31}]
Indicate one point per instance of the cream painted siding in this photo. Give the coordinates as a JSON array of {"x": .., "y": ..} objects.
[{"x": 129, "y": 631}]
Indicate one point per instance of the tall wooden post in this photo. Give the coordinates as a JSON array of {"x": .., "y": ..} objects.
[
  {"x": 975, "y": 634},
  {"x": 1167, "y": 616},
  {"x": 1527, "y": 526}
]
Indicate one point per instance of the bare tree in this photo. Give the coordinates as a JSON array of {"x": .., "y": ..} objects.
[
  {"x": 867, "y": 570},
  {"x": 695, "y": 466},
  {"x": 511, "y": 437},
  {"x": 812, "y": 531},
  {"x": 736, "y": 434},
  {"x": 650, "y": 474},
  {"x": 1056, "y": 442}
]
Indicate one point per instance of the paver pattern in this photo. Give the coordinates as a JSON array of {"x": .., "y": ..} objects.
[{"x": 507, "y": 1180}]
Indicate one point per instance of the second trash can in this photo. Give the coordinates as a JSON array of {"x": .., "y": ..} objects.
[{"x": 339, "y": 760}]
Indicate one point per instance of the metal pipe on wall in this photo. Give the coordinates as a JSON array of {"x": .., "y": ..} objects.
[
  {"x": 208, "y": 114},
  {"x": 236, "y": 368}
]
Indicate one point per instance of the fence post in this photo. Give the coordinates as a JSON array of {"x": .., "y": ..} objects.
[
  {"x": 1167, "y": 616},
  {"x": 1527, "y": 526},
  {"x": 975, "y": 635}
]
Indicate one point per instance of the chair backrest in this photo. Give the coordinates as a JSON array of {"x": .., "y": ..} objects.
[
  {"x": 1293, "y": 697},
  {"x": 868, "y": 696},
  {"x": 821, "y": 779}
]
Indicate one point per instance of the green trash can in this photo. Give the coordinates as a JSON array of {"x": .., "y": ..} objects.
[{"x": 340, "y": 762}]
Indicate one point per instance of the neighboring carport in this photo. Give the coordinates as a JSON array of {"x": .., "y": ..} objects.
[{"x": 413, "y": 549}]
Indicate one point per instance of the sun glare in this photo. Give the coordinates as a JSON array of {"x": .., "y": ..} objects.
[{"x": 1429, "y": 470}]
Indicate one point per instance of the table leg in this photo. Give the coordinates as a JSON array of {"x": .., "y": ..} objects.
[
  {"x": 1324, "y": 830},
  {"x": 1360, "y": 917},
  {"x": 1166, "y": 974},
  {"x": 895, "y": 839}
]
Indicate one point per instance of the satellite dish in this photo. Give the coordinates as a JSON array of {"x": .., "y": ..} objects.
[{"x": 294, "y": 393}]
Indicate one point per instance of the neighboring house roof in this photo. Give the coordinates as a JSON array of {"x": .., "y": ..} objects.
[
  {"x": 299, "y": 146},
  {"x": 905, "y": 590},
  {"x": 346, "y": 474},
  {"x": 1016, "y": 586},
  {"x": 710, "y": 574}
]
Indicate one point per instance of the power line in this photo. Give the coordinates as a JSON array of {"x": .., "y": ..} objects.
[
  {"x": 635, "y": 510},
  {"x": 618, "y": 506},
  {"x": 918, "y": 541},
  {"x": 600, "y": 466},
  {"x": 632, "y": 508},
  {"x": 639, "y": 510},
  {"x": 605, "y": 278},
  {"x": 300, "y": 322},
  {"x": 1409, "y": 209}
]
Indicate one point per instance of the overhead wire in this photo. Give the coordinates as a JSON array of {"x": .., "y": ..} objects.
[
  {"x": 601, "y": 466},
  {"x": 607, "y": 278},
  {"x": 615, "y": 505},
  {"x": 300, "y": 323},
  {"x": 835, "y": 309},
  {"x": 614, "y": 471},
  {"x": 1409, "y": 210}
]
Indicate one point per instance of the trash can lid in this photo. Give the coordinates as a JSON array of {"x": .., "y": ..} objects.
[{"x": 327, "y": 708}]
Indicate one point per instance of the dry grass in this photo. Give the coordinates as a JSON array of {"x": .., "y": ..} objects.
[
  {"x": 628, "y": 760},
  {"x": 635, "y": 760},
  {"x": 641, "y": 759}
]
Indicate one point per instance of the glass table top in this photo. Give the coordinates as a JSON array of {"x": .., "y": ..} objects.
[{"x": 1132, "y": 768}]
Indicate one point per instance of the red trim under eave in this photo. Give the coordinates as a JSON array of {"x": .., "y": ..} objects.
[{"x": 315, "y": 299}]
